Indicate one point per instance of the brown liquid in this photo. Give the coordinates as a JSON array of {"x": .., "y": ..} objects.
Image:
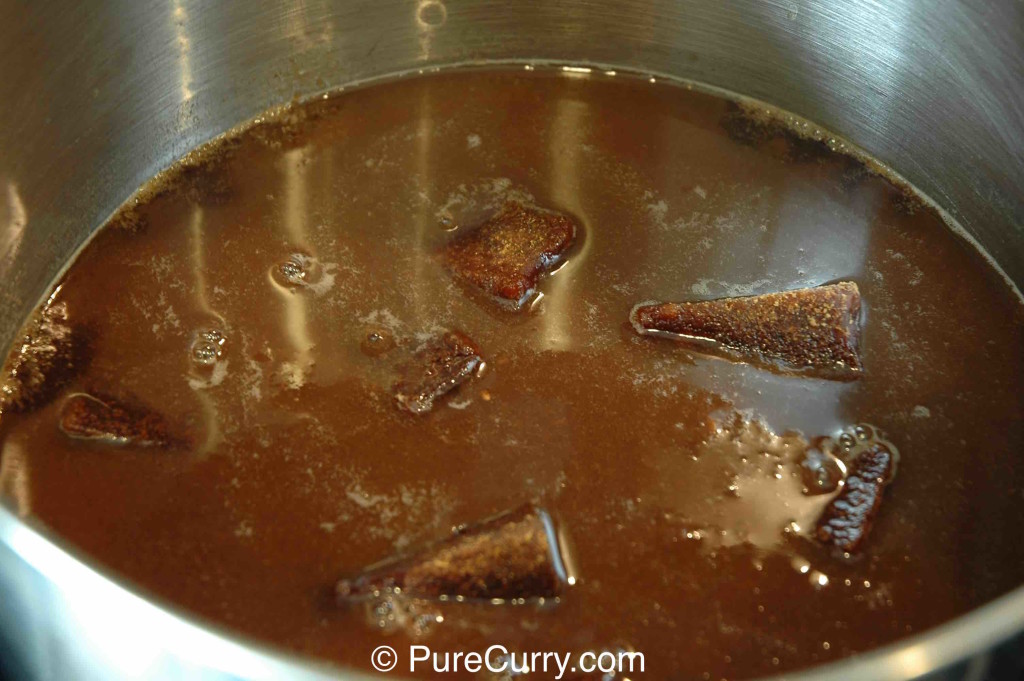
[{"x": 303, "y": 470}]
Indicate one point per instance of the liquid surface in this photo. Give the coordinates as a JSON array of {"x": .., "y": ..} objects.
[{"x": 263, "y": 296}]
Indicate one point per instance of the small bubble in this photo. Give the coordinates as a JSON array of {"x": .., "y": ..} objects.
[
  {"x": 423, "y": 622},
  {"x": 204, "y": 354},
  {"x": 297, "y": 271},
  {"x": 820, "y": 471},
  {"x": 862, "y": 438},
  {"x": 377, "y": 342},
  {"x": 292, "y": 271},
  {"x": 207, "y": 347}
]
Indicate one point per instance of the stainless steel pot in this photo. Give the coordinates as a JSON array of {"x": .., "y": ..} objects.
[{"x": 97, "y": 97}]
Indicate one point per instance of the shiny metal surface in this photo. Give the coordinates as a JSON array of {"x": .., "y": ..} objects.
[{"x": 97, "y": 97}]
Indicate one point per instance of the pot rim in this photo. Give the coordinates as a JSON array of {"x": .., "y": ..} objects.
[{"x": 211, "y": 646}]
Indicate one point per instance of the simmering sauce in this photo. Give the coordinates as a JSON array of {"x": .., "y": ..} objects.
[{"x": 250, "y": 313}]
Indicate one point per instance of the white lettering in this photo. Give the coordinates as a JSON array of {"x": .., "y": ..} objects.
[
  {"x": 413, "y": 659},
  {"x": 500, "y": 659}
]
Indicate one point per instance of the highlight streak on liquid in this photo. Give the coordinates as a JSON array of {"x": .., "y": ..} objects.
[
  {"x": 564, "y": 153},
  {"x": 425, "y": 221},
  {"x": 295, "y": 322},
  {"x": 211, "y": 415}
]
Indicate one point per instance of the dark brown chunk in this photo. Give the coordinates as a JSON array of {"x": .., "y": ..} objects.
[
  {"x": 506, "y": 255},
  {"x": 50, "y": 354},
  {"x": 847, "y": 520},
  {"x": 512, "y": 556},
  {"x": 85, "y": 417},
  {"x": 807, "y": 330},
  {"x": 443, "y": 365}
]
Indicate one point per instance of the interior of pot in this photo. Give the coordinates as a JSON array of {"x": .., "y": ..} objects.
[{"x": 97, "y": 100}]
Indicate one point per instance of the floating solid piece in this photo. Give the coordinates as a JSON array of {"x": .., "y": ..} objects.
[
  {"x": 848, "y": 518},
  {"x": 440, "y": 367},
  {"x": 515, "y": 555},
  {"x": 85, "y": 417},
  {"x": 48, "y": 357},
  {"x": 810, "y": 330},
  {"x": 506, "y": 255}
]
